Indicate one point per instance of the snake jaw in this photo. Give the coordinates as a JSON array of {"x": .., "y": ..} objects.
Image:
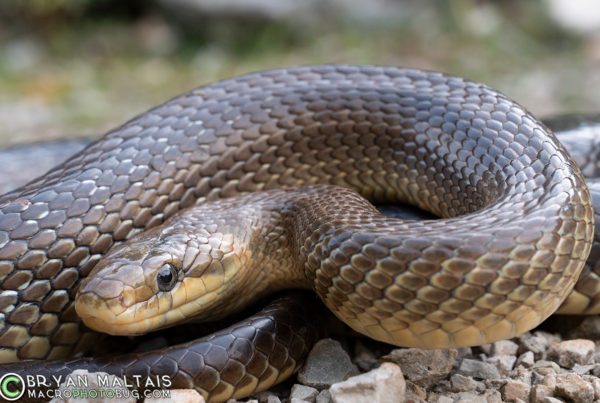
[{"x": 159, "y": 311}]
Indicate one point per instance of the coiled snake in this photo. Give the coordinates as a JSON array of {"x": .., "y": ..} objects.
[{"x": 517, "y": 229}]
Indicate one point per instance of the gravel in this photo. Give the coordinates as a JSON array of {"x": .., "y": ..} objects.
[
  {"x": 538, "y": 366},
  {"x": 542, "y": 366}
]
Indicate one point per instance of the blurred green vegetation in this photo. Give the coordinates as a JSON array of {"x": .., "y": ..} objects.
[{"x": 80, "y": 67}]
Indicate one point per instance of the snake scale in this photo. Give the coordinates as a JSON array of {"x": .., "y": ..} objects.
[{"x": 517, "y": 226}]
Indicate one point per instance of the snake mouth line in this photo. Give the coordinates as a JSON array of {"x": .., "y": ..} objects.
[{"x": 109, "y": 316}]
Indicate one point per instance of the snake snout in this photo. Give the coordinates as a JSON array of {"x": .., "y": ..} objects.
[{"x": 105, "y": 300}]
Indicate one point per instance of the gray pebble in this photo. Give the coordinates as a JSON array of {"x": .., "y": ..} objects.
[
  {"x": 574, "y": 388},
  {"x": 327, "y": 363},
  {"x": 478, "y": 369},
  {"x": 514, "y": 390},
  {"x": 468, "y": 397},
  {"x": 461, "y": 383},
  {"x": 526, "y": 360},
  {"x": 545, "y": 367},
  {"x": 504, "y": 347},
  {"x": 324, "y": 397},
  {"x": 540, "y": 392},
  {"x": 570, "y": 352},
  {"x": 303, "y": 392},
  {"x": 493, "y": 396},
  {"x": 504, "y": 363},
  {"x": 584, "y": 369},
  {"x": 425, "y": 367},
  {"x": 537, "y": 342}
]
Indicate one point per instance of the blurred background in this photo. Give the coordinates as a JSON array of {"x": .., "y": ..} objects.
[{"x": 73, "y": 68}]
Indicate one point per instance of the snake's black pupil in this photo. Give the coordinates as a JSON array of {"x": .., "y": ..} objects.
[{"x": 166, "y": 277}]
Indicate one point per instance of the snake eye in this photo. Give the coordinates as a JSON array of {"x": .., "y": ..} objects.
[{"x": 166, "y": 277}]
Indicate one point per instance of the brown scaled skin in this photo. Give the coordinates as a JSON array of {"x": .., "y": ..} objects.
[
  {"x": 448, "y": 145},
  {"x": 245, "y": 358},
  {"x": 401, "y": 282}
]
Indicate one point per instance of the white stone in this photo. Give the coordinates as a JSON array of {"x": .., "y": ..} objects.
[
  {"x": 381, "y": 385},
  {"x": 514, "y": 390},
  {"x": 526, "y": 360},
  {"x": 574, "y": 388},
  {"x": 504, "y": 347},
  {"x": 504, "y": 363},
  {"x": 304, "y": 393},
  {"x": 570, "y": 352}
]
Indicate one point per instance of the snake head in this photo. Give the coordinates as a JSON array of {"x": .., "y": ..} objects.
[{"x": 161, "y": 277}]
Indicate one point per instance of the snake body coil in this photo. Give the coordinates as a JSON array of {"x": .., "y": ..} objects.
[{"x": 517, "y": 227}]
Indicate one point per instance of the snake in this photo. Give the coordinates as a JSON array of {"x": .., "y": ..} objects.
[{"x": 279, "y": 170}]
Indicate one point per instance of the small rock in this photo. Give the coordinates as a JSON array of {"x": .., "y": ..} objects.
[
  {"x": 381, "y": 385},
  {"x": 526, "y": 360},
  {"x": 538, "y": 342},
  {"x": 536, "y": 378},
  {"x": 478, "y": 369},
  {"x": 595, "y": 382},
  {"x": 423, "y": 367},
  {"x": 540, "y": 392},
  {"x": 444, "y": 399},
  {"x": 504, "y": 363},
  {"x": 267, "y": 397},
  {"x": 326, "y": 364},
  {"x": 584, "y": 369},
  {"x": 514, "y": 390},
  {"x": 550, "y": 399},
  {"x": 468, "y": 397},
  {"x": 461, "y": 383},
  {"x": 493, "y": 396},
  {"x": 574, "y": 388},
  {"x": 178, "y": 395},
  {"x": 302, "y": 392},
  {"x": 505, "y": 347},
  {"x": 324, "y": 397},
  {"x": 570, "y": 352},
  {"x": 546, "y": 367},
  {"x": 523, "y": 376},
  {"x": 550, "y": 381},
  {"x": 414, "y": 393},
  {"x": 494, "y": 384}
]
